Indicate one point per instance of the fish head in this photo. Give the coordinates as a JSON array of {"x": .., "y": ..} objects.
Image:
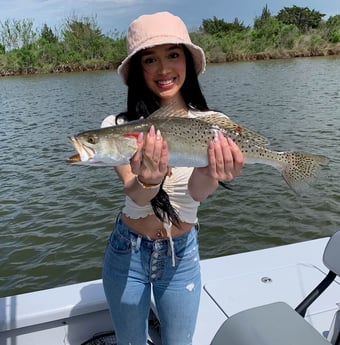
[{"x": 101, "y": 148}]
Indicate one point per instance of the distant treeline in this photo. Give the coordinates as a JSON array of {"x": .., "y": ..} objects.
[{"x": 80, "y": 45}]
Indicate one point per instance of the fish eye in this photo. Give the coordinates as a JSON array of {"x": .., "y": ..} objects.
[{"x": 92, "y": 139}]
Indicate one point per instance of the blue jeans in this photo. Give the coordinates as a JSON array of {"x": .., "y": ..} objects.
[{"x": 133, "y": 267}]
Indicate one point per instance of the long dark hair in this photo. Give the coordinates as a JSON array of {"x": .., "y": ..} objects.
[{"x": 141, "y": 102}]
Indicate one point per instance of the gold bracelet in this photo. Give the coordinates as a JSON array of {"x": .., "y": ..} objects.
[{"x": 147, "y": 185}]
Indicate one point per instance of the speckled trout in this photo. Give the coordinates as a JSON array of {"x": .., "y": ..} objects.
[{"x": 187, "y": 139}]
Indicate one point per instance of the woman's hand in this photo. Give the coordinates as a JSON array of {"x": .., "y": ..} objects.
[
  {"x": 150, "y": 162},
  {"x": 225, "y": 161}
]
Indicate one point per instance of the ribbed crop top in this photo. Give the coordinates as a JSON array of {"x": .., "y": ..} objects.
[{"x": 176, "y": 186}]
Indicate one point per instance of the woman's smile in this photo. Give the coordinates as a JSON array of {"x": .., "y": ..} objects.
[{"x": 166, "y": 83}]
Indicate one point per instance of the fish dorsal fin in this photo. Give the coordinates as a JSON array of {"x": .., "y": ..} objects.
[
  {"x": 169, "y": 110},
  {"x": 224, "y": 122},
  {"x": 212, "y": 118}
]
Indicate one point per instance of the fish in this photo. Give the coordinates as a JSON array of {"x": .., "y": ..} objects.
[{"x": 188, "y": 139}]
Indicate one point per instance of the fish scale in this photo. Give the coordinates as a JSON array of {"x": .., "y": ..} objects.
[{"x": 188, "y": 139}]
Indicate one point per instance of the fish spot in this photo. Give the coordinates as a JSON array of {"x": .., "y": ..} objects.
[
  {"x": 239, "y": 129},
  {"x": 190, "y": 287}
]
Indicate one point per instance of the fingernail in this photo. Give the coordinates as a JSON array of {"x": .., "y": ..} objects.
[
  {"x": 158, "y": 135},
  {"x": 152, "y": 131},
  {"x": 140, "y": 138},
  {"x": 216, "y": 139}
]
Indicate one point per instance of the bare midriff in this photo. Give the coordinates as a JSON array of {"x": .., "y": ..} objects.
[{"x": 151, "y": 227}]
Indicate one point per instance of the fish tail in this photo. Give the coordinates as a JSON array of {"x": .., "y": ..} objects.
[{"x": 300, "y": 170}]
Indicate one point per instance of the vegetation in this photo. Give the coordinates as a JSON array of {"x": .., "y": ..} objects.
[{"x": 80, "y": 45}]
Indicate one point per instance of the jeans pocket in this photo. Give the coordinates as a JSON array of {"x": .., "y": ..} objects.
[
  {"x": 120, "y": 242},
  {"x": 188, "y": 250}
]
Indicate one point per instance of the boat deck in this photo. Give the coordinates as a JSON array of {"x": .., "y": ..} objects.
[
  {"x": 286, "y": 273},
  {"x": 71, "y": 314}
]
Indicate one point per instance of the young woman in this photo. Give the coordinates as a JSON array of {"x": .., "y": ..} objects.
[{"x": 145, "y": 254}]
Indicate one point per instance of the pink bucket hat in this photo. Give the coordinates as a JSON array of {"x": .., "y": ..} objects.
[{"x": 155, "y": 29}]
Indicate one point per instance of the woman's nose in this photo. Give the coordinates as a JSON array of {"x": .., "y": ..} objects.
[{"x": 163, "y": 66}]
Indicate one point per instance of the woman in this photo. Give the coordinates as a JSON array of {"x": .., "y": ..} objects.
[{"x": 146, "y": 254}]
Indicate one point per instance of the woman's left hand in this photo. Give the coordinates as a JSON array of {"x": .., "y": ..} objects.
[{"x": 225, "y": 159}]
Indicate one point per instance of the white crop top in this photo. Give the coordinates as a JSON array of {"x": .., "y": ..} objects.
[{"x": 176, "y": 186}]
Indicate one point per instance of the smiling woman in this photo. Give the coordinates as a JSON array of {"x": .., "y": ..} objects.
[{"x": 157, "y": 227}]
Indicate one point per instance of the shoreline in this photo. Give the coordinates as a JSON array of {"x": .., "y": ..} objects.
[{"x": 221, "y": 58}]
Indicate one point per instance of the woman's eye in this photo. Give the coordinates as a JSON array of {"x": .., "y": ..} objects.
[
  {"x": 149, "y": 60},
  {"x": 174, "y": 55}
]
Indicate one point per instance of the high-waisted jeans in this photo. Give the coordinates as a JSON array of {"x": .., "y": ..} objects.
[{"x": 133, "y": 267}]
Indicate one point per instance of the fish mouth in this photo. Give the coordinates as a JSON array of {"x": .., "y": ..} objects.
[{"x": 84, "y": 153}]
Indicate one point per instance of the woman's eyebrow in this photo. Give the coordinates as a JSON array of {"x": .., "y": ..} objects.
[{"x": 149, "y": 51}]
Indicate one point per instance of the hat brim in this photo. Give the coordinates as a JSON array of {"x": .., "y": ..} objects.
[{"x": 196, "y": 52}]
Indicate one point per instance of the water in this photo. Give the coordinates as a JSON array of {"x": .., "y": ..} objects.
[{"x": 55, "y": 218}]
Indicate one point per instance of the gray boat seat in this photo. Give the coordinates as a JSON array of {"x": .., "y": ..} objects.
[
  {"x": 272, "y": 324},
  {"x": 331, "y": 256},
  {"x": 278, "y": 323},
  {"x": 331, "y": 259}
]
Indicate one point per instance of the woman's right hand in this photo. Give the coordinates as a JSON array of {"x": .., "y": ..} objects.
[{"x": 150, "y": 162}]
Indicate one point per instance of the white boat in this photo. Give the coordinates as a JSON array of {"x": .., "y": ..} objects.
[{"x": 234, "y": 287}]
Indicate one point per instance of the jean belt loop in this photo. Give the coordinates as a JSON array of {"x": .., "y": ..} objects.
[{"x": 139, "y": 240}]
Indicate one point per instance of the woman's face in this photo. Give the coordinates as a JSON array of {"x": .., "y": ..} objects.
[{"x": 164, "y": 70}]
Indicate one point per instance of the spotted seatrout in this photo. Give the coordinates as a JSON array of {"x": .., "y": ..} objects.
[{"x": 188, "y": 140}]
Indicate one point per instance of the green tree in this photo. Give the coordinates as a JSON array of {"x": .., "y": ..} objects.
[
  {"x": 264, "y": 19},
  {"x": 49, "y": 48},
  {"x": 270, "y": 33},
  {"x": 214, "y": 25},
  {"x": 17, "y": 33},
  {"x": 333, "y": 28},
  {"x": 217, "y": 26},
  {"x": 82, "y": 39},
  {"x": 273, "y": 35},
  {"x": 47, "y": 35},
  {"x": 238, "y": 26},
  {"x": 114, "y": 47},
  {"x": 304, "y": 18},
  {"x": 26, "y": 59}
]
